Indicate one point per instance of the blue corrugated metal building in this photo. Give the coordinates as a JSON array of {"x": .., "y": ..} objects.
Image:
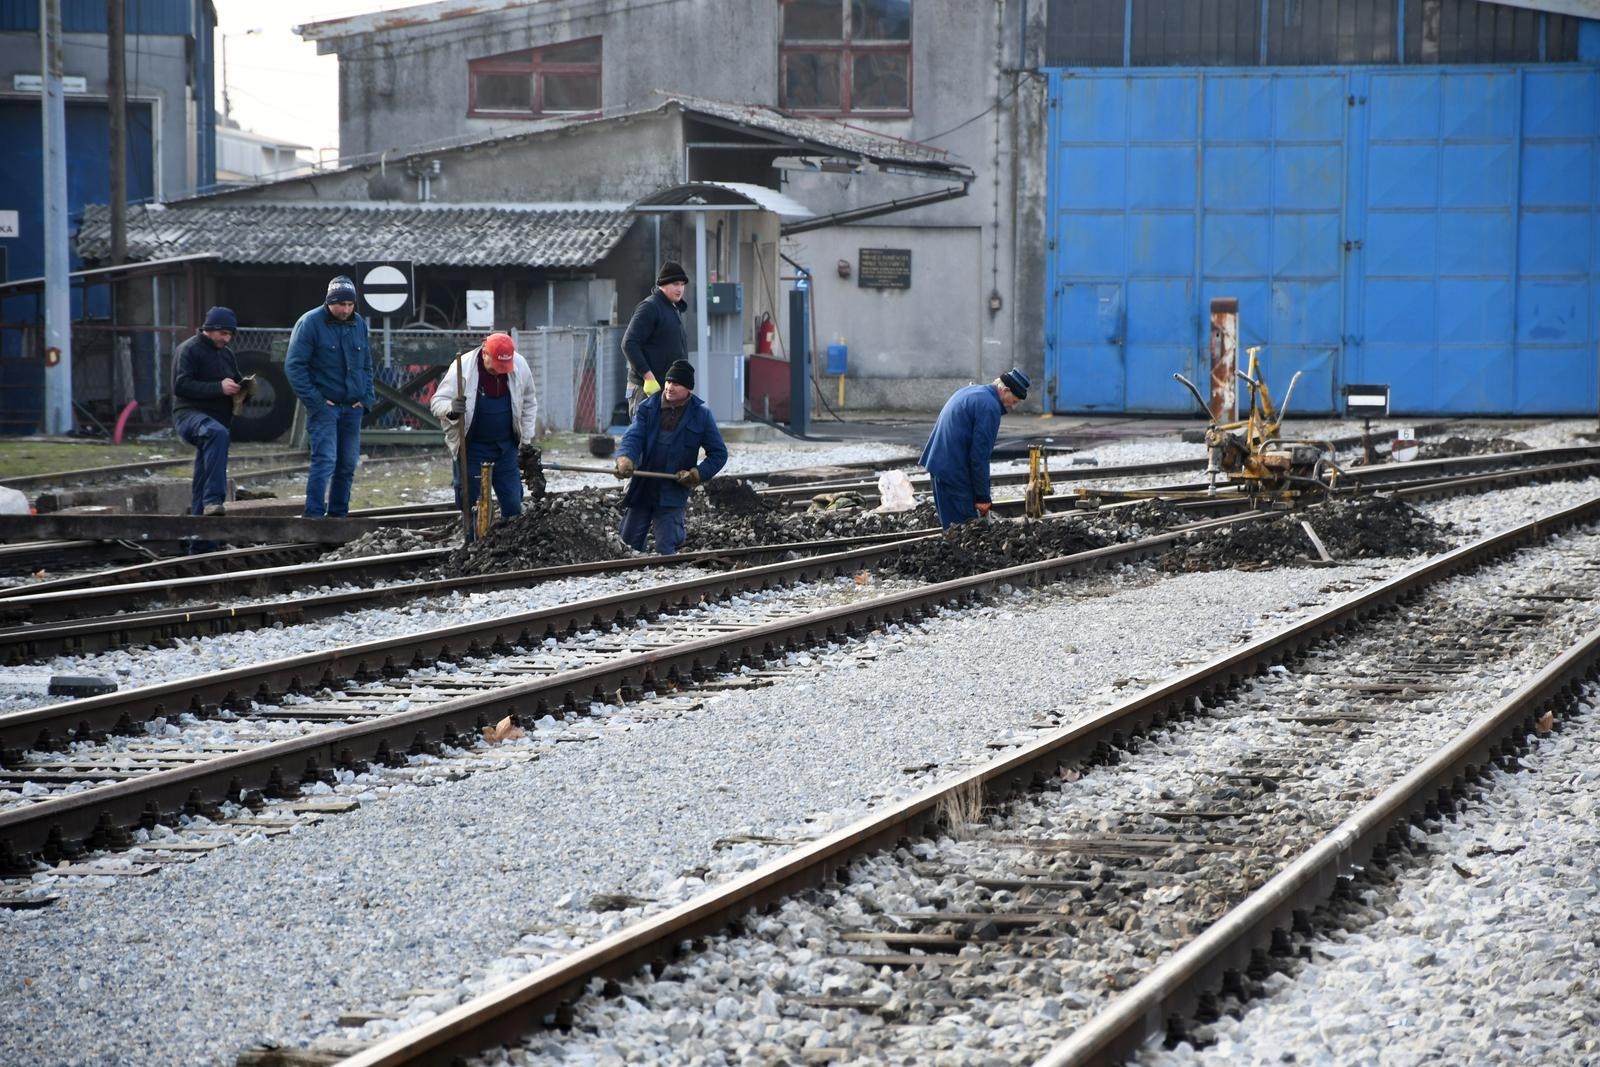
[{"x": 1396, "y": 191}]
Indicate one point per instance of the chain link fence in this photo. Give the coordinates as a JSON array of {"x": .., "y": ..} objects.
[{"x": 580, "y": 374}]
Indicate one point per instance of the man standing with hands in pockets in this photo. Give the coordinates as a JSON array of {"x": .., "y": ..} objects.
[{"x": 329, "y": 365}]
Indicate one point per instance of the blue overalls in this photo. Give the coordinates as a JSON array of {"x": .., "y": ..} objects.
[{"x": 492, "y": 438}]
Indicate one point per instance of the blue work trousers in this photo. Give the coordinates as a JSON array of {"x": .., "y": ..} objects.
[
  {"x": 210, "y": 440},
  {"x": 334, "y": 434},
  {"x": 954, "y": 501},
  {"x": 668, "y": 523},
  {"x": 492, "y": 439}
]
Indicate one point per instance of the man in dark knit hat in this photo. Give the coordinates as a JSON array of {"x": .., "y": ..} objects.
[
  {"x": 957, "y": 452},
  {"x": 667, "y": 435},
  {"x": 655, "y": 336},
  {"x": 205, "y": 380},
  {"x": 329, "y": 365}
]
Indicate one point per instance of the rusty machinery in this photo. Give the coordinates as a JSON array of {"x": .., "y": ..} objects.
[
  {"x": 1250, "y": 453},
  {"x": 1038, "y": 483}
]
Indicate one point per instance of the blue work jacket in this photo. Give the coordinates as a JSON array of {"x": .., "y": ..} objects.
[
  {"x": 330, "y": 360},
  {"x": 669, "y": 453},
  {"x": 963, "y": 438}
]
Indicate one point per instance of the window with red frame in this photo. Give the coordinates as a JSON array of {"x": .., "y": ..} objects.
[
  {"x": 844, "y": 57},
  {"x": 560, "y": 79}
]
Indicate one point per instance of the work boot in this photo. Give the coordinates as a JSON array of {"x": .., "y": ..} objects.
[{"x": 214, "y": 509}]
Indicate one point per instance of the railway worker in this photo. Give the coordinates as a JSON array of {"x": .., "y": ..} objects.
[
  {"x": 667, "y": 434},
  {"x": 329, "y": 366},
  {"x": 655, "y": 337},
  {"x": 487, "y": 400},
  {"x": 957, "y": 452},
  {"x": 205, "y": 380}
]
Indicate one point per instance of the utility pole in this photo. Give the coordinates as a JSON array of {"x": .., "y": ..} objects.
[
  {"x": 57, "y": 298},
  {"x": 117, "y": 100}
]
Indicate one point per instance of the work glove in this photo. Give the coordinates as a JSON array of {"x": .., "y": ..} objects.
[
  {"x": 458, "y": 407},
  {"x": 624, "y": 467},
  {"x": 983, "y": 509},
  {"x": 689, "y": 478},
  {"x": 651, "y": 387}
]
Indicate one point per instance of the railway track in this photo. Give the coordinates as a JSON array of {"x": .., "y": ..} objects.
[
  {"x": 1122, "y": 836},
  {"x": 55, "y": 824},
  {"x": 60, "y": 618}
]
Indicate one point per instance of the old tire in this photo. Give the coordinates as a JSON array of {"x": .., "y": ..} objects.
[{"x": 270, "y": 409}]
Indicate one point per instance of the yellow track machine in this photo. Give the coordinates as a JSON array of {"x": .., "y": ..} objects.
[{"x": 1252, "y": 457}]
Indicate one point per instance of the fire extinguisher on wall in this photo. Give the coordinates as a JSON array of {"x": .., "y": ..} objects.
[{"x": 765, "y": 332}]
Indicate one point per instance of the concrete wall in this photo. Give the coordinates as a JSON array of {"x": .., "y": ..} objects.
[{"x": 408, "y": 87}]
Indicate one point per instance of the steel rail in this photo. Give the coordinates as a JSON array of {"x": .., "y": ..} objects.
[
  {"x": 73, "y": 817},
  {"x": 30, "y": 640},
  {"x": 1085, "y": 472},
  {"x": 512, "y": 1010},
  {"x": 1174, "y": 986},
  {"x": 160, "y": 571}
]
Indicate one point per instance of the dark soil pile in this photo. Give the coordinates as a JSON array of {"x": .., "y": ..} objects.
[
  {"x": 1467, "y": 446},
  {"x": 734, "y": 495},
  {"x": 986, "y": 546},
  {"x": 1368, "y": 528},
  {"x": 754, "y": 520},
  {"x": 552, "y": 530},
  {"x": 581, "y": 526}
]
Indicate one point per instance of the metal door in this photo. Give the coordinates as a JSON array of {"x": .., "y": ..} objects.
[{"x": 1435, "y": 228}]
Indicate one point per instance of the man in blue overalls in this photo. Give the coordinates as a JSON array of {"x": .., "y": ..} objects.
[
  {"x": 667, "y": 434},
  {"x": 487, "y": 397}
]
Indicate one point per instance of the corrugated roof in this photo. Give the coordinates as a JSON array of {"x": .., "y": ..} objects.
[
  {"x": 814, "y": 132},
  {"x": 436, "y": 235},
  {"x": 816, "y": 136}
]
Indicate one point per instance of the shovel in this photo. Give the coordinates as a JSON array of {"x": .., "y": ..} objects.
[{"x": 585, "y": 469}]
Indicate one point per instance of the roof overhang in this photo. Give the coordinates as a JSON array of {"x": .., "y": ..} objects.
[
  {"x": 722, "y": 196},
  {"x": 121, "y": 273}
]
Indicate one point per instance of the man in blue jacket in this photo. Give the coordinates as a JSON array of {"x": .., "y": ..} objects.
[
  {"x": 205, "y": 379},
  {"x": 655, "y": 338},
  {"x": 957, "y": 452},
  {"x": 329, "y": 366},
  {"x": 667, "y": 435}
]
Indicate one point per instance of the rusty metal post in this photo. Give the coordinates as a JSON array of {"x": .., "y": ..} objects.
[{"x": 1224, "y": 359}]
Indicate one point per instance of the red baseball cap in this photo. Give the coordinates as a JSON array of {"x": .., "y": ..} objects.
[{"x": 500, "y": 346}]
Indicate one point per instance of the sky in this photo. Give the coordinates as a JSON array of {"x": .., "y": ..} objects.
[{"x": 276, "y": 83}]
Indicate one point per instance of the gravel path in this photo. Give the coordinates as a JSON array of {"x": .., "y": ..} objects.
[{"x": 433, "y": 881}]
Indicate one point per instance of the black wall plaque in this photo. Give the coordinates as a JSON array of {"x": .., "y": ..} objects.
[{"x": 884, "y": 268}]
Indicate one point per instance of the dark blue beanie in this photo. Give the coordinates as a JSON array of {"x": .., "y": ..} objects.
[{"x": 221, "y": 318}]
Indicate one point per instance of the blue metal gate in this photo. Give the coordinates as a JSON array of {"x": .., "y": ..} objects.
[{"x": 1434, "y": 228}]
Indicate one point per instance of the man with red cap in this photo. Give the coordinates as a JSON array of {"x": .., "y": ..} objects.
[{"x": 492, "y": 410}]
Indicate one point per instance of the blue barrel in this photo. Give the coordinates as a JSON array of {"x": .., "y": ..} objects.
[{"x": 838, "y": 358}]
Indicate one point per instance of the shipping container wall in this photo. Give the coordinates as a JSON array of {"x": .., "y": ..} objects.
[{"x": 1435, "y": 229}]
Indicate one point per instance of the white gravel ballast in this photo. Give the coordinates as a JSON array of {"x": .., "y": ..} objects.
[{"x": 462, "y": 885}]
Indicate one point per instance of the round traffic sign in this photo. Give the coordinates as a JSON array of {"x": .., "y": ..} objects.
[{"x": 385, "y": 289}]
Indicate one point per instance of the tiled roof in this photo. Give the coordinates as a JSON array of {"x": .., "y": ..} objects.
[{"x": 438, "y": 235}]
